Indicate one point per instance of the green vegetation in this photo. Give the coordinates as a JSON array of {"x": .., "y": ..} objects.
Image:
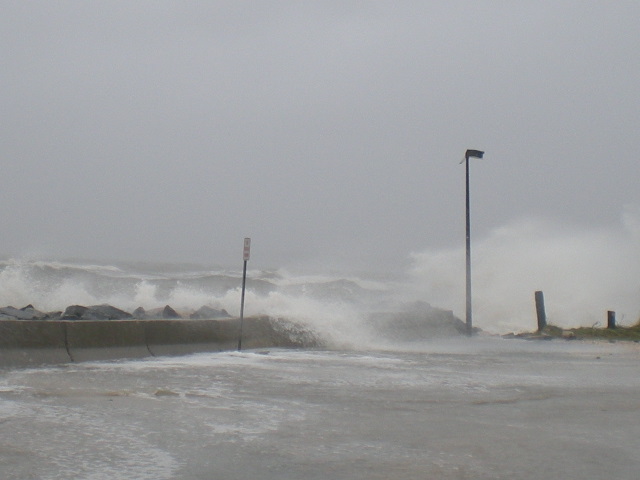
[{"x": 592, "y": 333}]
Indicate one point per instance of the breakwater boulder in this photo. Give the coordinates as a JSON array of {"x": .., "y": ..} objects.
[
  {"x": 166, "y": 312},
  {"x": 417, "y": 321},
  {"x": 95, "y": 312},
  {"x": 109, "y": 312},
  {"x": 208, "y": 312},
  {"x": 140, "y": 313},
  {"x": 25, "y": 313}
]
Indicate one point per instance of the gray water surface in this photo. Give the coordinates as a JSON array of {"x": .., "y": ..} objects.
[{"x": 453, "y": 409}]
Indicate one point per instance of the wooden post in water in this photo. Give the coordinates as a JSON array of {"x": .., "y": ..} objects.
[
  {"x": 611, "y": 319},
  {"x": 542, "y": 316}
]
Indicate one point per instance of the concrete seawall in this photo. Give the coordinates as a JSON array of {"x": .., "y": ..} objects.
[
  {"x": 106, "y": 339},
  {"x": 37, "y": 342},
  {"x": 26, "y": 342}
]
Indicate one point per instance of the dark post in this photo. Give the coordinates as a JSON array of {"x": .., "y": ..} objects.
[
  {"x": 611, "y": 319},
  {"x": 468, "y": 286},
  {"x": 245, "y": 256},
  {"x": 542, "y": 316}
]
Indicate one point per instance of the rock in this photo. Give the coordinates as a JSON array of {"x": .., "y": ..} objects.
[
  {"x": 164, "y": 312},
  {"x": 207, "y": 313},
  {"x": 36, "y": 314},
  {"x": 95, "y": 312},
  {"x": 105, "y": 312},
  {"x": 169, "y": 312},
  {"x": 417, "y": 321},
  {"x": 73, "y": 312},
  {"x": 25, "y": 313},
  {"x": 140, "y": 313},
  {"x": 16, "y": 313}
]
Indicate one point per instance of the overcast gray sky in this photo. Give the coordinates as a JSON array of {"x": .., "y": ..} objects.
[{"x": 328, "y": 131}]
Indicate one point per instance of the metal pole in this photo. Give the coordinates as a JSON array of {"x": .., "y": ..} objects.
[
  {"x": 469, "y": 154},
  {"x": 469, "y": 322},
  {"x": 244, "y": 281}
]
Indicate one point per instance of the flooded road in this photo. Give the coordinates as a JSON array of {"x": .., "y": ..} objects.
[{"x": 481, "y": 408}]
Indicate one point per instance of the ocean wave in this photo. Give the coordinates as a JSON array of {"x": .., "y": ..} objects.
[{"x": 339, "y": 308}]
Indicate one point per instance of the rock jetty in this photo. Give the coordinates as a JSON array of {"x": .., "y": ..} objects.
[{"x": 109, "y": 312}]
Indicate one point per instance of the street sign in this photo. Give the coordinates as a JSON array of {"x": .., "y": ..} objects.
[{"x": 247, "y": 249}]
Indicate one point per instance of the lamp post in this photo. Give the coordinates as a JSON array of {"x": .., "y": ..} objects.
[{"x": 469, "y": 154}]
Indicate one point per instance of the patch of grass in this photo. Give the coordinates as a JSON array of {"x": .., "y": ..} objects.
[{"x": 590, "y": 333}]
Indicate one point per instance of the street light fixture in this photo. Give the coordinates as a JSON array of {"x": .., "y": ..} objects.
[{"x": 469, "y": 154}]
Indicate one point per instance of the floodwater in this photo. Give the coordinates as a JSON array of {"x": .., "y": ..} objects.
[{"x": 480, "y": 408}]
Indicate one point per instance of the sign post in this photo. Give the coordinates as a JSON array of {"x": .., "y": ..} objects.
[{"x": 245, "y": 257}]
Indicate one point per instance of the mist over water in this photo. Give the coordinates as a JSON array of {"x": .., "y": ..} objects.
[{"x": 582, "y": 272}]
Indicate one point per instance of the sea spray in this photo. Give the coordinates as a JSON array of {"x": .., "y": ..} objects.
[
  {"x": 334, "y": 307},
  {"x": 583, "y": 273}
]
